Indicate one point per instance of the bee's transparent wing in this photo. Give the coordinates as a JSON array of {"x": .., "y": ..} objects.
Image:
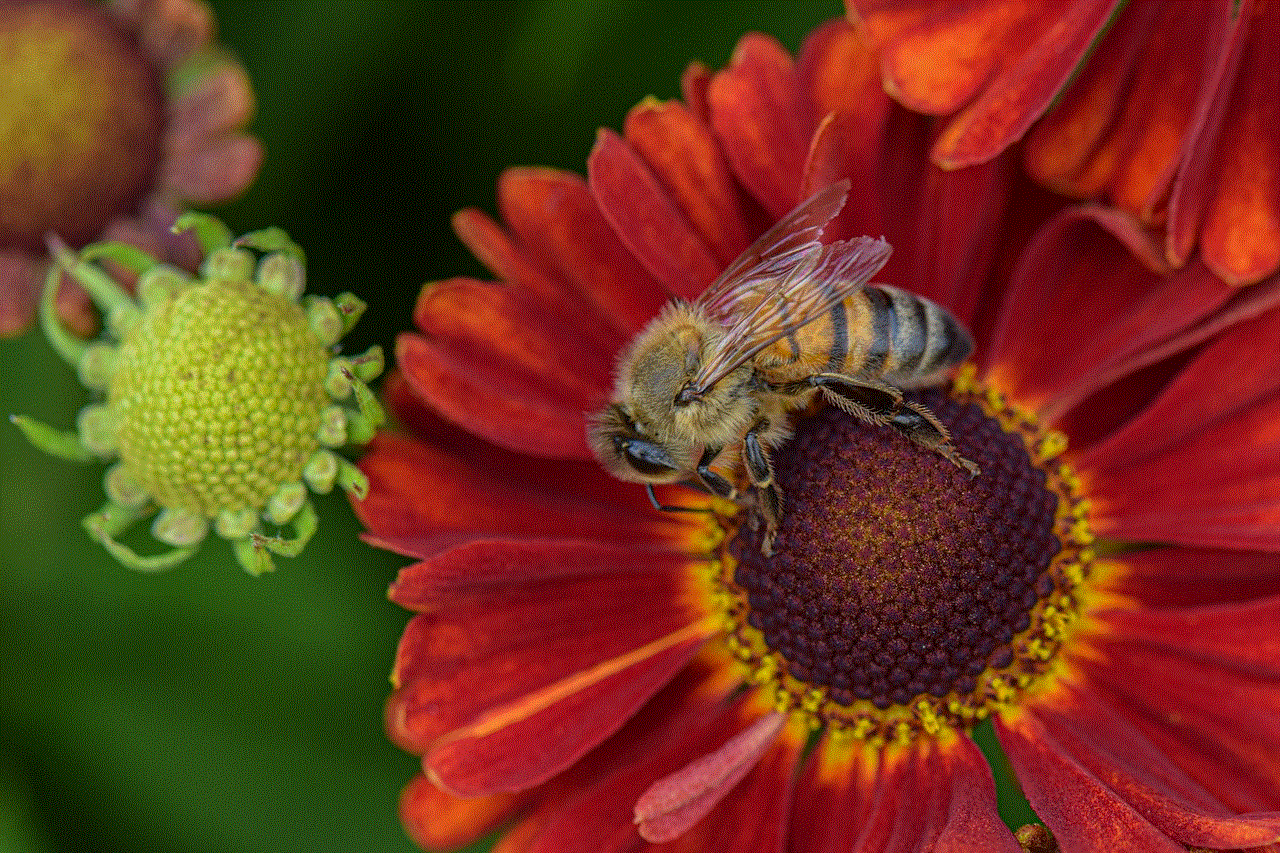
[
  {"x": 774, "y": 253},
  {"x": 784, "y": 281}
]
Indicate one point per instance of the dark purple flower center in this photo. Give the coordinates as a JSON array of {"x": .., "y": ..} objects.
[
  {"x": 895, "y": 576},
  {"x": 81, "y": 122}
]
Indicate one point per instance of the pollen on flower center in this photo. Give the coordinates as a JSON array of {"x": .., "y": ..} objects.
[
  {"x": 81, "y": 122},
  {"x": 901, "y": 593}
]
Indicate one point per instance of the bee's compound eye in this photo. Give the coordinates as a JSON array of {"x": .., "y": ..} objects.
[{"x": 647, "y": 458}]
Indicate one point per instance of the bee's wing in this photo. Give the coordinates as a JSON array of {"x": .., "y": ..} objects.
[
  {"x": 784, "y": 281},
  {"x": 777, "y": 250}
]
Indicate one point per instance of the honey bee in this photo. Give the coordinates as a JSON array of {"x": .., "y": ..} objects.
[{"x": 704, "y": 392}]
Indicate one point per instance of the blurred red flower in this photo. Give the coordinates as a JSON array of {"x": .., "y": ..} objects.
[{"x": 114, "y": 118}]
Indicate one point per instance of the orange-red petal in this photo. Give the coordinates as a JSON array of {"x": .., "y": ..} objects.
[
  {"x": 435, "y": 820},
  {"x": 936, "y": 796},
  {"x": 761, "y": 121},
  {"x": 559, "y": 225},
  {"x": 687, "y": 160},
  {"x": 1006, "y": 108},
  {"x": 1102, "y": 757},
  {"x": 1240, "y": 239},
  {"x": 531, "y": 739},
  {"x": 419, "y": 493},
  {"x": 507, "y": 407},
  {"x": 1190, "y": 577},
  {"x": 1110, "y": 316},
  {"x": 647, "y": 220},
  {"x": 673, "y": 804},
  {"x": 515, "y": 331}
]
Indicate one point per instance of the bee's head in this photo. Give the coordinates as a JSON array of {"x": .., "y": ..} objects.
[{"x": 629, "y": 453}]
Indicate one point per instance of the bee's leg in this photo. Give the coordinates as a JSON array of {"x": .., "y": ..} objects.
[
  {"x": 714, "y": 482},
  {"x": 661, "y": 507},
  {"x": 759, "y": 467},
  {"x": 880, "y": 403}
]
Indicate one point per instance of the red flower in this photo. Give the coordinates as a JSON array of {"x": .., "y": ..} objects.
[
  {"x": 113, "y": 118},
  {"x": 599, "y": 675},
  {"x": 1166, "y": 109}
]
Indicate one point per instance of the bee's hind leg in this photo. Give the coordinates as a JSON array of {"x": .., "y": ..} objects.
[
  {"x": 880, "y": 403},
  {"x": 759, "y": 467}
]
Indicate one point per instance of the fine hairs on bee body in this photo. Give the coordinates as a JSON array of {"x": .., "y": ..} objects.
[{"x": 706, "y": 390}]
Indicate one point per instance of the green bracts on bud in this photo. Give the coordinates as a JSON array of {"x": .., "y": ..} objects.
[{"x": 221, "y": 395}]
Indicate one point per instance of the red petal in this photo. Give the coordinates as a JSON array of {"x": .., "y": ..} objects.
[
  {"x": 475, "y": 570},
  {"x": 1197, "y": 397},
  {"x": 1060, "y": 148},
  {"x": 837, "y": 779},
  {"x": 520, "y": 641},
  {"x": 687, "y": 160},
  {"x": 754, "y": 819},
  {"x": 516, "y": 331},
  {"x": 17, "y": 293},
  {"x": 559, "y": 224},
  {"x": 686, "y": 719},
  {"x": 935, "y": 796},
  {"x": 1241, "y": 236},
  {"x": 418, "y": 491},
  {"x": 646, "y": 220},
  {"x": 839, "y": 72},
  {"x": 1218, "y": 725},
  {"x": 1190, "y": 577},
  {"x": 531, "y": 739},
  {"x": 1022, "y": 92},
  {"x": 222, "y": 101},
  {"x": 672, "y": 805},
  {"x": 1078, "y": 807},
  {"x": 1098, "y": 333},
  {"x": 436, "y": 821},
  {"x": 1100, "y": 743},
  {"x": 694, "y": 83},
  {"x": 1220, "y": 488},
  {"x": 509, "y": 408},
  {"x": 1227, "y": 28},
  {"x": 758, "y": 115},
  {"x": 496, "y": 249},
  {"x": 947, "y": 54}
]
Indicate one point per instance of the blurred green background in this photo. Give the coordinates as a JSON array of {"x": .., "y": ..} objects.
[{"x": 203, "y": 709}]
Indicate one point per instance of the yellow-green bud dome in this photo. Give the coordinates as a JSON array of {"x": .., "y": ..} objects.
[
  {"x": 217, "y": 395},
  {"x": 223, "y": 395}
]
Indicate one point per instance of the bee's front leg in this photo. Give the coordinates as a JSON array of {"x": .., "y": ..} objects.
[
  {"x": 759, "y": 467},
  {"x": 715, "y": 483}
]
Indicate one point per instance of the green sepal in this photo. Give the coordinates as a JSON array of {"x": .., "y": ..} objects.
[
  {"x": 130, "y": 257},
  {"x": 63, "y": 342},
  {"x": 282, "y": 275},
  {"x": 112, "y": 520},
  {"x": 351, "y": 307},
  {"x": 321, "y": 471},
  {"x": 305, "y": 524},
  {"x": 370, "y": 365},
  {"x": 210, "y": 233},
  {"x": 352, "y": 480},
  {"x": 105, "y": 292},
  {"x": 273, "y": 239},
  {"x": 227, "y": 264},
  {"x": 64, "y": 445},
  {"x": 370, "y": 409},
  {"x": 253, "y": 558}
]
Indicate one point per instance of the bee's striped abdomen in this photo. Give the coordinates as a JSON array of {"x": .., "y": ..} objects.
[{"x": 912, "y": 339}]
